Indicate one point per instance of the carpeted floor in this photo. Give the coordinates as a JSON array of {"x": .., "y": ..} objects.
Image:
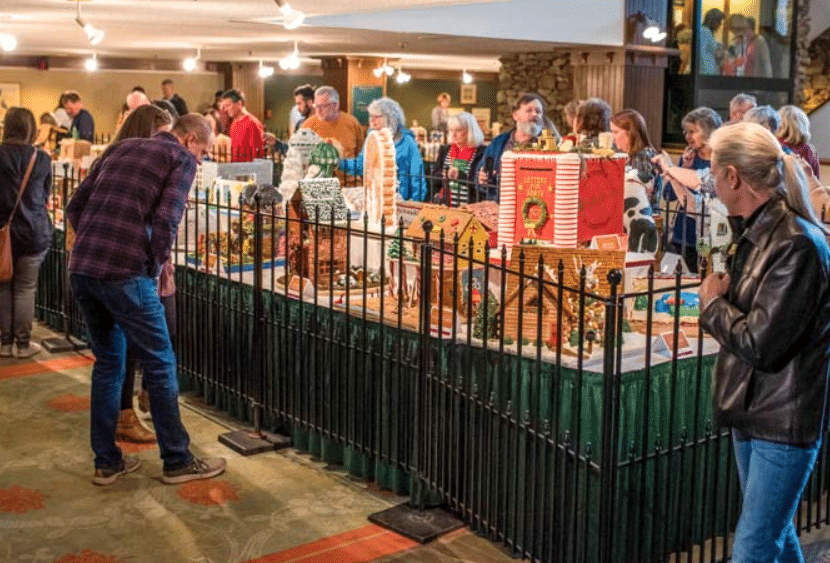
[
  {"x": 274, "y": 507},
  {"x": 277, "y": 507}
]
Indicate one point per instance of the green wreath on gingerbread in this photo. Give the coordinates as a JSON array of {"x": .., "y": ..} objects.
[{"x": 543, "y": 213}]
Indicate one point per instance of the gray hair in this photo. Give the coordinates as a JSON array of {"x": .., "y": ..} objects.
[
  {"x": 743, "y": 100},
  {"x": 328, "y": 91},
  {"x": 466, "y": 120},
  {"x": 706, "y": 118},
  {"x": 392, "y": 114},
  {"x": 764, "y": 115},
  {"x": 795, "y": 125},
  {"x": 757, "y": 156}
]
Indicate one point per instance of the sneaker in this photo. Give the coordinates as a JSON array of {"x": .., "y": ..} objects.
[
  {"x": 199, "y": 468},
  {"x": 6, "y": 351},
  {"x": 29, "y": 351},
  {"x": 107, "y": 476}
]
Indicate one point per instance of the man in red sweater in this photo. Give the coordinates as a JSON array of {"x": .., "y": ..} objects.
[{"x": 245, "y": 131}]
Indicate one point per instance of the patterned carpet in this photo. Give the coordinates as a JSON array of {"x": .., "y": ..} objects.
[{"x": 274, "y": 507}]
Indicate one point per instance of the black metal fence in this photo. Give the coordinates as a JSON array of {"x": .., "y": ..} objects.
[{"x": 556, "y": 409}]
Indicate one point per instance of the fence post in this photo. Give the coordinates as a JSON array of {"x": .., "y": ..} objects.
[
  {"x": 413, "y": 520},
  {"x": 608, "y": 453},
  {"x": 255, "y": 441},
  {"x": 69, "y": 342}
]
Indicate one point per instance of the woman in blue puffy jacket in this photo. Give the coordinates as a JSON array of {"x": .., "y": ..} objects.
[{"x": 386, "y": 112}]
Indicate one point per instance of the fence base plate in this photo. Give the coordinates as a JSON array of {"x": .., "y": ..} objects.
[
  {"x": 278, "y": 441},
  {"x": 245, "y": 443},
  {"x": 57, "y": 345},
  {"x": 422, "y": 526}
]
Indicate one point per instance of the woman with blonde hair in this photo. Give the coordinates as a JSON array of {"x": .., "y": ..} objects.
[
  {"x": 770, "y": 313},
  {"x": 458, "y": 159},
  {"x": 794, "y": 133}
]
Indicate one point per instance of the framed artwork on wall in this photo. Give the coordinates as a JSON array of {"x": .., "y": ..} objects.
[
  {"x": 468, "y": 94},
  {"x": 9, "y": 96}
]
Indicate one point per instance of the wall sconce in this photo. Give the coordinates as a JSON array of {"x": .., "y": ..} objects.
[
  {"x": 93, "y": 34},
  {"x": 466, "y": 77},
  {"x": 652, "y": 31},
  {"x": 291, "y": 18}
]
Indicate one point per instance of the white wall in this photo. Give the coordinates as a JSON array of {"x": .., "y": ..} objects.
[
  {"x": 819, "y": 18},
  {"x": 820, "y": 119},
  {"x": 600, "y": 22},
  {"x": 819, "y": 127}
]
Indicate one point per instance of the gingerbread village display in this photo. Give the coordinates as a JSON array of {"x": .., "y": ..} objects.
[{"x": 362, "y": 247}]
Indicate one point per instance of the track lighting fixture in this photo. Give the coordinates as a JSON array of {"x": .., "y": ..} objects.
[
  {"x": 384, "y": 69},
  {"x": 265, "y": 71},
  {"x": 93, "y": 34},
  {"x": 291, "y": 18},
  {"x": 189, "y": 64},
  {"x": 91, "y": 63},
  {"x": 292, "y": 61}
]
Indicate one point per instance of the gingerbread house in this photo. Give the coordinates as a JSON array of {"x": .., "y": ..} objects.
[
  {"x": 472, "y": 234},
  {"x": 541, "y": 303},
  {"x": 559, "y": 199},
  {"x": 535, "y": 303},
  {"x": 315, "y": 251}
]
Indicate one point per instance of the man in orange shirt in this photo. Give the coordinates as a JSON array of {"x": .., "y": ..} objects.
[
  {"x": 245, "y": 131},
  {"x": 331, "y": 123}
]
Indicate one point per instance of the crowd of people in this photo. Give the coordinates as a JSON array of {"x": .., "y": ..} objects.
[
  {"x": 747, "y": 54},
  {"x": 770, "y": 309}
]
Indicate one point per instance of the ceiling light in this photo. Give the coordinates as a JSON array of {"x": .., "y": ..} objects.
[
  {"x": 291, "y": 18},
  {"x": 466, "y": 77},
  {"x": 292, "y": 61},
  {"x": 265, "y": 71},
  {"x": 91, "y": 64},
  {"x": 402, "y": 77},
  {"x": 189, "y": 64},
  {"x": 8, "y": 42},
  {"x": 93, "y": 34}
]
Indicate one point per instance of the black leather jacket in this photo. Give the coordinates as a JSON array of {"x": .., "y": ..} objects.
[{"x": 773, "y": 325}]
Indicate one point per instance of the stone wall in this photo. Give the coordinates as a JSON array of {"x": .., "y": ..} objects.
[
  {"x": 548, "y": 74},
  {"x": 812, "y": 80},
  {"x": 805, "y": 70}
]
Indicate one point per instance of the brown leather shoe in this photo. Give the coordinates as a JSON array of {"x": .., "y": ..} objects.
[
  {"x": 130, "y": 429},
  {"x": 144, "y": 404}
]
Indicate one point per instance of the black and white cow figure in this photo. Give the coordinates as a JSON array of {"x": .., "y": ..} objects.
[{"x": 637, "y": 219}]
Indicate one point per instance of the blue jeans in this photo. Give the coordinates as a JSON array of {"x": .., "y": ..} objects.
[
  {"x": 772, "y": 476},
  {"x": 117, "y": 311}
]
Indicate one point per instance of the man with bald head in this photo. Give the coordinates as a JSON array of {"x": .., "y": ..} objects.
[
  {"x": 125, "y": 224},
  {"x": 137, "y": 98}
]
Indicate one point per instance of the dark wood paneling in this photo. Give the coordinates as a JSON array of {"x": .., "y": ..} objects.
[{"x": 644, "y": 92}]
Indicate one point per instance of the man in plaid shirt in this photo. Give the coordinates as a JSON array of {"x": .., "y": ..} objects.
[{"x": 125, "y": 215}]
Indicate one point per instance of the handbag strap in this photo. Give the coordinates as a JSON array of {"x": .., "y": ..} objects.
[{"x": 23, "y": 185}]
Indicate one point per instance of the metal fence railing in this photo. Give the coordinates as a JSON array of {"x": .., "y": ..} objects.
[{"x": 553, "y": 406}]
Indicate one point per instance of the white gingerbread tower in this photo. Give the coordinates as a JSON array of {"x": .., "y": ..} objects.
[{"x": 380, "y": 178}]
